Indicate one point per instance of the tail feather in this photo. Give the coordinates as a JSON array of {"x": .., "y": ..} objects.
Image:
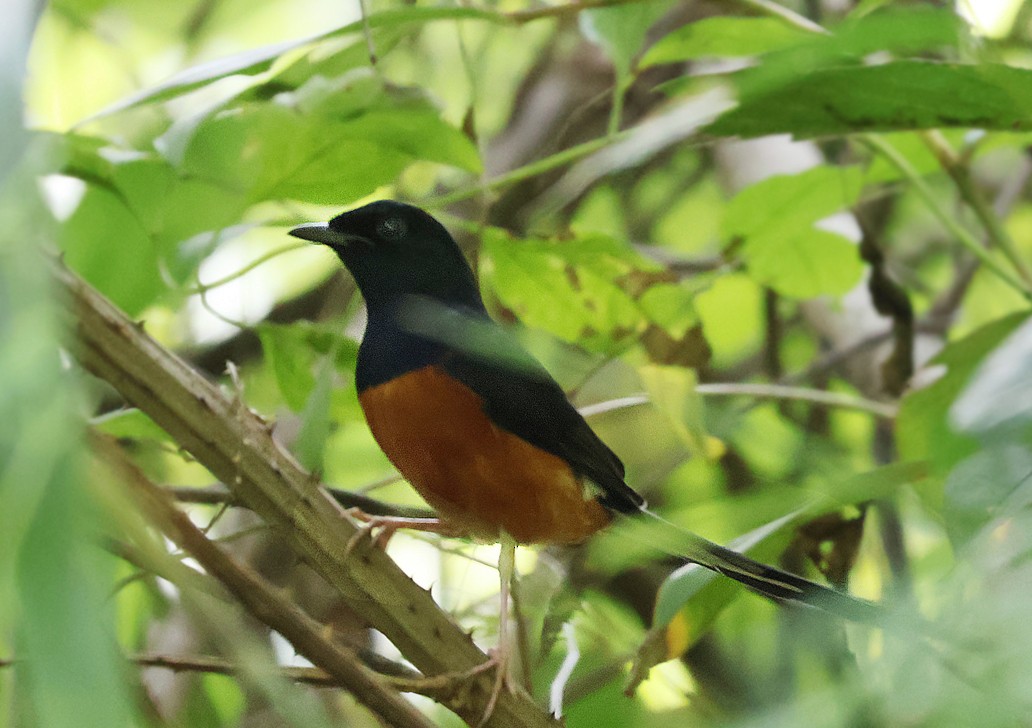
[{"x": 766, "y": 580}]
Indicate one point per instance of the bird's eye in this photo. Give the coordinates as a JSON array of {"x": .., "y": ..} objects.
[{"x": 391, "y": 228}]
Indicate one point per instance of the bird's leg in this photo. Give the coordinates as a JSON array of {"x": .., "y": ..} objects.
[
  {"x": 389, "y": 525},
  {"x": 499, "y": 657},
  {"x": 501, "y": 654}
]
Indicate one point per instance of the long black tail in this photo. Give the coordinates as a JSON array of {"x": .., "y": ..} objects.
[{"x": 767, "y": 580}]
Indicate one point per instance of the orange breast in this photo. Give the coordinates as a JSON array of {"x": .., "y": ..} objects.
[{"x": 478, "y": 477}]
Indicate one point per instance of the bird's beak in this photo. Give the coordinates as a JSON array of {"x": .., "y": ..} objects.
[{"x": 320, "y": 232}]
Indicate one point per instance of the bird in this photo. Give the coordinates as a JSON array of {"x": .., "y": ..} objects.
[{"x": 479, "y": 427}]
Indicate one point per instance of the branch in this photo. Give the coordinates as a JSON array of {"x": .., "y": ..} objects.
[
  {"x": 269, "y": 606},
  {"x": 236, "y": 446}
]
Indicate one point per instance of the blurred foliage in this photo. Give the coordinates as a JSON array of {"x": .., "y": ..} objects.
[{"x": 590, "y": 159}]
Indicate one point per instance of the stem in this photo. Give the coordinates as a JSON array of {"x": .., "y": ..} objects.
[
  {"x": 766, "y": 391},
  {"x": 961, "y": 176},
  {"x": 965, "y": 237},
  {"x": 766, "y": 7},
  {"x": 616, "y": 113},
  {"x": 205, "y": 287},
  {"x": 802, "y": 394},
  {"x": 525, "y": 172}
]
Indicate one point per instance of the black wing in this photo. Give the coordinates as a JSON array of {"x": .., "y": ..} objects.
[{"x": 521, "y": 397}]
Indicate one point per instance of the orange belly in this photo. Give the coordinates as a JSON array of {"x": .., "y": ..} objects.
[{"x": 478, "y": 477}]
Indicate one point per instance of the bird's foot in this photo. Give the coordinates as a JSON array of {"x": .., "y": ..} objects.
[
  {"x": 498, "y": 660},
  {"x": 381, "y": 528}
]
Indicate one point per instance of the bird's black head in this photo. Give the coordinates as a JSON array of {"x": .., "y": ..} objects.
[{"x": 395, "y": 251}]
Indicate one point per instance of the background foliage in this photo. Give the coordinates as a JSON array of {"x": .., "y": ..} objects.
[{"x": 780, "y": 252}]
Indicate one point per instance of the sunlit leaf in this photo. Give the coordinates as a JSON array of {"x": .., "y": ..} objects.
[
  {"x": 774, "y": 223},
  {"x": 257, "y": 60},
  {"x": 567, "y": 288},
  {"x": 670, "y": 307},
  {"x": 268, "y": 151},
  {"x": 786, "y": 203},
  {"x": 803, "y": 263}
]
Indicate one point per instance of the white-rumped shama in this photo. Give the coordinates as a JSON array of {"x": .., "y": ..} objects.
[{"x": 475, "y": 423}]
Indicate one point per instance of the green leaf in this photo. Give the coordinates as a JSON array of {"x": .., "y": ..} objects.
[
  {"x": 804, "y": 263},
  {"x": 315, "y": 419},
  {"x": 165, "y": 208},
  {"x": 103, "y": 258},
  {"x": 250, "y": 61},
  {"x": 291, "y": 361},
  {"x": 418, "y": 132},
  {"x": 897, "y": 30},
  {"x": 893, "y": 96},
  {"x": 293, "y": 350},
  {"x": 172, "y": 209},
  {"x": 570, "y": 289},
  {"x": 1000, "y": 392},
  {"x": 723, "y": 36},
  {"x": 730, "y": 310},
  {"x": 73, "y": 669},
  {"x": 900, "y": 30},
  {"x": 881, "y": 482},
  {"x": 258, "y": 60},
  {"x": 923, "y": 426},
  {"x": 270, "y": 152},
  {"x": 992, "y": 483},
  {"x": 130, "y": 424},
  {"x": 620, "y": 30},
  {"x": 774, "y": 219},
  {"x": 671, "y": 307},
  {"x": 225, "y": 702},
  {"x": 788, "y": 203},
  {"x": 672, "y": 391}
]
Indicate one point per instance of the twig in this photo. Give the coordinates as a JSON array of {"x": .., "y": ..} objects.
[
  {"x": 229, "y": 278},
  {"x": 777, "y": 391},
  {"x": 527, "y": 171},
  {"x": 769, "y": 391},
  {"x": 219, "y": 494},
  {"x": 200, "y": 663},
  {"x": 390, "y": 672}
]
